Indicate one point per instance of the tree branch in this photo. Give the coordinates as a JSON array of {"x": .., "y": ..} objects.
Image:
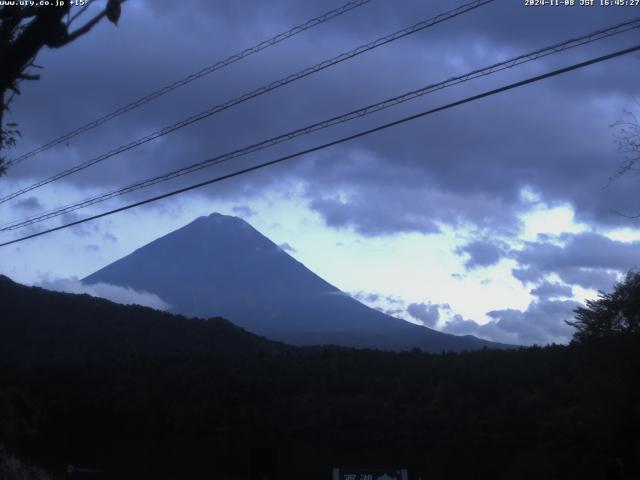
[
  {"x": 86, "y": 28},
  {"x": 76, "y": 15}
]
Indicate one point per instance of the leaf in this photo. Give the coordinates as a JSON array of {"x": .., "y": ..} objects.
[{"x": 113, "y": 11}]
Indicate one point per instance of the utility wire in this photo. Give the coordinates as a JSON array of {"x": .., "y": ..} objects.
[
  {"x": 510, "y": 63},
  {"x": 473, "y": 98},
  {"x": 255, "y": 93},
  {"x": 194, "y": 76}
]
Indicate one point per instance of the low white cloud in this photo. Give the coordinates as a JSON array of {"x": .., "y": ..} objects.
[{"x": 117, "y": 294}]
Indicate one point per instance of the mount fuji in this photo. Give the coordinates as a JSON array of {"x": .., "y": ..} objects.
[{"x": 220, "y": 266}]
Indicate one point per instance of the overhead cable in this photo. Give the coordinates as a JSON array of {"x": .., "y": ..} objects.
[{"x": 473, "y": 98}]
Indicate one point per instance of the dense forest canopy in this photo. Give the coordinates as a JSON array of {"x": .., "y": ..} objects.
[{"x": 539, "y": 412}]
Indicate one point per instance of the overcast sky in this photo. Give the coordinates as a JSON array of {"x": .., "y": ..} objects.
[{"x": 489, "y": 219}]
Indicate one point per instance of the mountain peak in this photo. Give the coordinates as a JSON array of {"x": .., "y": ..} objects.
[
  {"x": 219, "y": 265},
  {"x": 207, "y": 235},
  {"x": 220, "y": 217},
  {"x": 219, "y": 221}
]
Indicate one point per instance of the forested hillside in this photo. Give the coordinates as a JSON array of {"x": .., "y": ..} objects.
[
  {"x": 41, "y": 324},
  {"x": 570, "y": 412},
  {"x": 555, "y": 412}
]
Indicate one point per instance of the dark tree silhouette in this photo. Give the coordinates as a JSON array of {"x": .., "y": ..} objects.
[
  {"x": 612, "y": 314},
  {"x": 24, "y": 31},
  {"x": 627, "y": 136}
]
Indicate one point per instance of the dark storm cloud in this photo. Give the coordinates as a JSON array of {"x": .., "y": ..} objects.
[
  {"x": 552, "y": 290},
  {"x": 29, "y": 203},
  {"x": 463, "y": 166},
  {"x": 528, "y": 274},
  {"x": 368, "y": 218},
  {"x": 542, "y": 322},
  {"x": 427, "y": 313},
  {"x": 83, "y": 229},
  {"x": 481, "y": 253},
  {"x": 375, "y": 197},
  {"x": 596, "y": 279},
  {"x": 585, "y": 250},
  {"x": 589, "y": 260}
]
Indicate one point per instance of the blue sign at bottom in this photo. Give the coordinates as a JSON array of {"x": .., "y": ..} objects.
[{"x": 369, "y": 474}]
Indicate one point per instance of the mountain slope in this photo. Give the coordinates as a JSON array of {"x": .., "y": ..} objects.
[
  {"x": 220, "y": 265},
  {"x": 41, "y": 324}
]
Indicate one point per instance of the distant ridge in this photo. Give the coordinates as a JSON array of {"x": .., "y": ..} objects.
[
  {"x": 38, "y": 324},
  {"x": 221, "y": 266}
]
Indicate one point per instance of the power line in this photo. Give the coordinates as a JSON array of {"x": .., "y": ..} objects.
[
  {"x": 255, "y": 93},
  {"x": 194, "y": 76},
  {"x": 376, "y": 107},
  {"x": 473, "y": 98}
]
